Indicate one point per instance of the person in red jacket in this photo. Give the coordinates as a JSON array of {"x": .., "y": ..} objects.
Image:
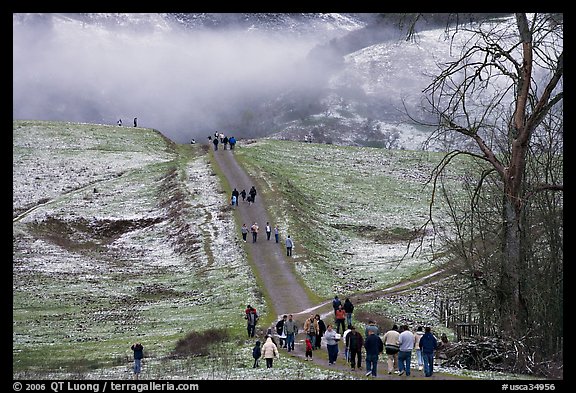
[
  {"x": 340, "y": 319},
  {"x": 308, "y": 349}
]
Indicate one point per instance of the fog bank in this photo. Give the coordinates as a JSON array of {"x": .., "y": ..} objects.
[{"x": 186, "y": 84}]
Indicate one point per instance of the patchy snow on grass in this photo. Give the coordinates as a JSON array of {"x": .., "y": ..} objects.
[
  {"x": 135, "y": 246},
  {"x": 140, "y": 245},
  {"x": 353, "y": 210}
]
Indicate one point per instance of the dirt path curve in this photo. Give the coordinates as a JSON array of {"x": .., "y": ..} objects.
[{"x": 272, "y": 265}]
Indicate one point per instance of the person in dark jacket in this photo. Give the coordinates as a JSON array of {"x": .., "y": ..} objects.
[
  {"x": 428, "y": 344},
  {"x": 236, "y": 194},
  {"x": 320, "y": 333},
  {"x": 355, "y": 343},
  {"x": 349, "y": 308},
  {"x": 336, "y": 303},
  {"x": 256, "y": 354},
  {"x": 253, "y": 193},
  {"x": 138, "y": 355},
  {"x": 281, "y": 332},
  {"x": 374, "y": 347}
]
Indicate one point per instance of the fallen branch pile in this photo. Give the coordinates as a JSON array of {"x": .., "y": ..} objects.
[{"x": 496, "y": 354}]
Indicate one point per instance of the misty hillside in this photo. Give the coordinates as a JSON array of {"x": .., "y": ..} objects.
[{"x": 341, "y": 78}]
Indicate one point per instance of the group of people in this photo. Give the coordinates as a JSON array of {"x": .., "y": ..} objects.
[
  {"x": 235, "y": 197},
  {"x": 397, "y": 343},
  {"x": 220, "y": 138},
  {"x": 119, "y": 122},
  {"x": 254, "y": 229},
  {"x": 342, "y": 313},
  {"x": 286, "y": 330}
]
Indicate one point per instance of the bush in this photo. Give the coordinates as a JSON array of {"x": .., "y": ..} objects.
[{"x": 198, "y": 343}]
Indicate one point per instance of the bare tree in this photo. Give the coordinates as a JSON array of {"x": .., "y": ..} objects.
[{"x": 504, "y": 93}]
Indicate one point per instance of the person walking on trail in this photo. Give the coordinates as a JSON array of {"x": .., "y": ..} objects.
[
  {"x": 349, "y": 309},
  {"x": 354, "y": 343},
  {"x": 235, "y": 196},
  {"x": 253, "y": 193},
  {"x": 276, "y": 233},
  {"x": 417, "y": 336},
  {"x": 268, "y": 231},
  {"x": 215, "y": 142},
  {"x": 308, "y": 349},
  {"x": 270, "y": 352},
  {"x": 320, "y": 332},
  {"x": 374, "y": 347},
  {"x": 392, "y": 347},
  {"x": 346, "y": 349},
  {"x": 280, "y": 330},
  {"x": 291, "y": 330},
  {"x": 331, "y": 338},
  {"x": 311, "y": 328},
  {"x": 135, "y": 122},
  {"x": 340, "y": 319},
  {"x": 256, "y": 354},
  {"x": 254, "y": 229},
  {"x": 406, "y": 342},
  {"x": 138, "y": 356},
  {"x": 428, "y": 344},
  {"x": 289, "y": 246},
  {"x": 336, "y": 303},
  {"x": 232, "y": 142},
  {"x": 251, "y": 320},
  {"x": 243, "y": 195},
  {"x": 244, "y": 231}
]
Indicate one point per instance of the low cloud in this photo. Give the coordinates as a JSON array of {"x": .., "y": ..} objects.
[{"x": 183, "y": 83}]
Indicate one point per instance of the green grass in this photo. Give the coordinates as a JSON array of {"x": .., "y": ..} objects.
[{"x": 346, "y": 208}]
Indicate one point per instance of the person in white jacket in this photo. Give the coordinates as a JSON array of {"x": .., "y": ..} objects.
[
  {"x": 270, "y": 352},
  {"x": 417, "y": 336}
]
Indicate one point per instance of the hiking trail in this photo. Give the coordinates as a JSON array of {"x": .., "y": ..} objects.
[{"x": 279, "y": 278}]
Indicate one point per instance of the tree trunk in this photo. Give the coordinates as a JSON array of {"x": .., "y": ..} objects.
[{"x": 509, "y": 287}]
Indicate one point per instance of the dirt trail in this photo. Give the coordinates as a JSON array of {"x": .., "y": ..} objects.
[
  {"x": 273, "y": 266},
  {"x": 279, "y": 278}
]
